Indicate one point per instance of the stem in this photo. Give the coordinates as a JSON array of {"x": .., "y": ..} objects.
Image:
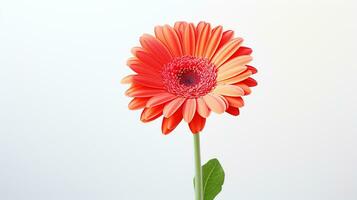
[{"x": 198, "y": 176}]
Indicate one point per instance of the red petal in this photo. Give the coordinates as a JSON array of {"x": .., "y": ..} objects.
[
  {"x": 169, "y": 124},
  {"x": 142, "y": 68},
  {"x": 197, "y": 124},
  {"x": 156, "y": 48},
  {"x": 233, "y": 111},
  {"x": 146, "y": 57},
  {"x": 148, "y": 81},
  {"x": 250, "y": 82},
  {"x": 252, "y": 69},
  {"x": 242, "y": 51},
  {"x": 226, "y": 36}
]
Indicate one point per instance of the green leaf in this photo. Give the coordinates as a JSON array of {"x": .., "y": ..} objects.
[{"x": 213, "y": 179}]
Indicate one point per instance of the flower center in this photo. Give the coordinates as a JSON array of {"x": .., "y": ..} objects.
[{"x": 189, "y": 76}]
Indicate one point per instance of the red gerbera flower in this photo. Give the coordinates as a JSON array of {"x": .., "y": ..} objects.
[{"x": 187, "y": 71}]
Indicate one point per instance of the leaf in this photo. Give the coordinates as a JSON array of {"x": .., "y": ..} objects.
[{"x": 213, "y": 179}]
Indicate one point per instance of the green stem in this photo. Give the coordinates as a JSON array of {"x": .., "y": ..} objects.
[{"x": 198, "y": 176}]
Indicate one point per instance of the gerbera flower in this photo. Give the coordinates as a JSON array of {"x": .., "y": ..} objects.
[{"x": 187, "y": 71}]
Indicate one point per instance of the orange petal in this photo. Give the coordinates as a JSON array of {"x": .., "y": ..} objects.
[
  {"x": 137, "y": 103},
  {"x": 160, "y": 99},
  {"x": 169, "y": 124},
  {"x": 235, "y": 101},
  {"x": 141, "y": 91},
  {"x": 180, "y": 29},
  {"x": 202, "y": 108},
  {"x": 215, "y": 103},
  {"x": 229, "y": 90},
  {"x": 159, "y": 34},
  {"x": 233, "y": 111},
  {"x": 156, "y": 48},
  {"x": 189, "y": 40},
  {"x": 244, "y": 87},
  {"x": 173, "y": 106},
  {"x": 226, "y": 51},
  {"x": 236, "y": 79},
  {"x": 213, "y": 42},
  {"x": 233, "y": 67},
  {"x": 202, "y": 36},
  {"x": 231, "y": 72},
  {"x": 197, "y": 124},
  {"x": 127, "y": 79},
  {"x": 172, "y": 40},
  {"x": 224, "y": 100},
  {"x": 189, "y": 109},
  {"x": 226, "y": 37},
  {"x": 152, "y": 113}
]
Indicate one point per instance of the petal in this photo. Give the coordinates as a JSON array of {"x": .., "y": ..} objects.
[
  {"x": 233, "y": 67},
  {"x": 156, "y": 48},
  {"x": 237, "y": 61},
  {"x": 189, "y": 109},
  {"x": 169, "y": 124},
  {"x": 142, "y": 91},
  {"x": 224, "y": 100},
  {"x": 215, "y": 103},
  {"x": 149, "y": 114},
  {"x": 202, "y": 108},
  {"x": 226, "y": 51},
  {"x": 242, "y": 51},
  {"x": 252, "y": 69},
  {"x": 202, "y": 36},
  {"x": 138, "y": 103},
  {"x": 244, "y": 87},
  {"x": 235, "y": 101},
  {"x": 173, "y": 106},
  {"x": 233, "y": 111},
  {"x": 197, "y": 124},
  {"x": 236, "y": 79},
  {"x": 189, "y": 40},
  {"x": 146, "y": 57},
  {"x": 127, "y": 79},
  {"x": 160, "y": 99},
  {"x": 226, "y": 36},
  {"x": 141, "y": 68},
  {"x": 213, "y": 42},
  {"x": 229, "y": 90},
  {"x": 148, "y": 81},
  {"x": 250, "y": 82},
  {"x": 159, "y": 34},
  {"x": 172, "y": 40},
  {"x": 180, "y": 29},
  {"x": 199, "y": 28},
  {"x": 231, "y": 72}
]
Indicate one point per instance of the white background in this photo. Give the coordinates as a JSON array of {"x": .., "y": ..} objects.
[{"x": 66, "y": 132}]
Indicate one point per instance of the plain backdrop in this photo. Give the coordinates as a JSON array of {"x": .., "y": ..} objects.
[{"x": 66, "y": 132}]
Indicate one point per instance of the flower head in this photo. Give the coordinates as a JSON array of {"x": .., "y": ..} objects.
[{"x": 187, "y": 71}]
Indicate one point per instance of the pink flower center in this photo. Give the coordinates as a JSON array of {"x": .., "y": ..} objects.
[{"x": 188, "y": 76}]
